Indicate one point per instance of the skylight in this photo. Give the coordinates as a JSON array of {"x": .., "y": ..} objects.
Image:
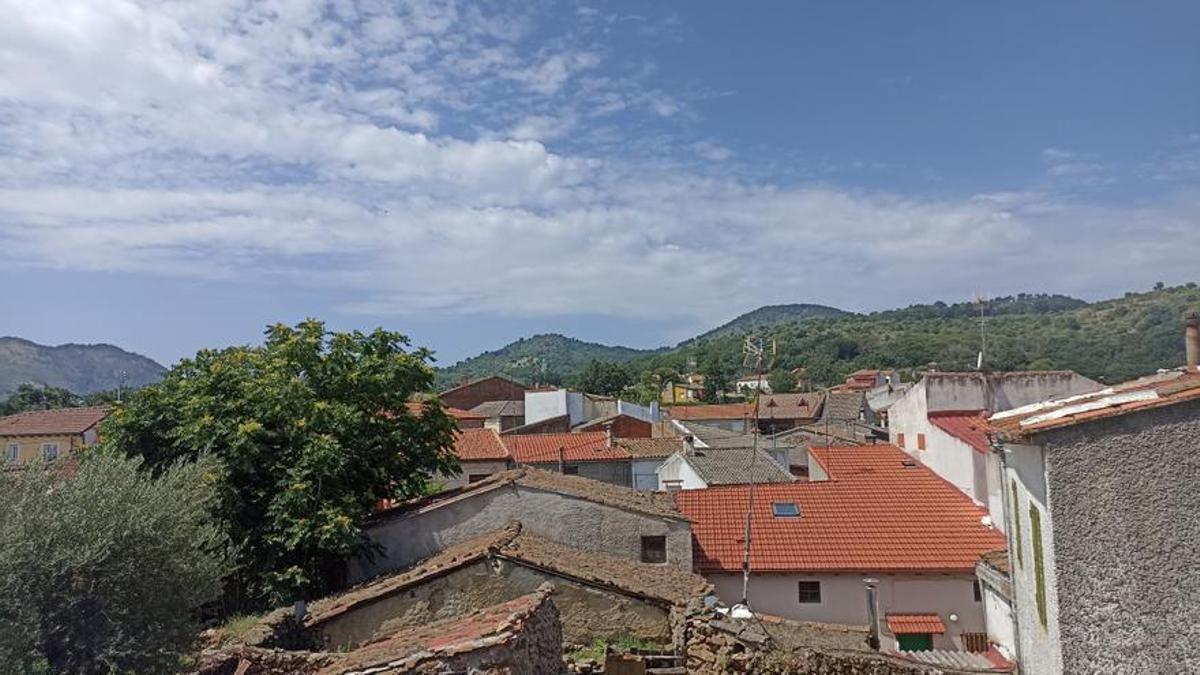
[{"x": 785, "y": 509}]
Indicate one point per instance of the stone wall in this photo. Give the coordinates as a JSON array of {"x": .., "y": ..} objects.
[
  {"x": 587, "y": 612},
  {"x": 1125, "y": 513}
]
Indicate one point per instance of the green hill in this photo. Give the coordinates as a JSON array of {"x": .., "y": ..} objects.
[
  {"x": 1110, "y": 340},
  {"x": 550, "y": 358},
  {"x": 81, "y": 369}
]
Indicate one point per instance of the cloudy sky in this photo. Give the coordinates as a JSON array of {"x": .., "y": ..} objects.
[{"x": 176, "y": 175}]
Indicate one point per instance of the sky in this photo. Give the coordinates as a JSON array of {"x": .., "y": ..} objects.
[{"x": 178, "y": 175}]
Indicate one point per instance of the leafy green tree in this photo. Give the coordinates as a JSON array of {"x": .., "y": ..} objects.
[
  {"x": 36, "y": 397},
  {"x": 782, "y": 381},
  {"x": 604, "y": 378},
  {"x": 312, "y": 429},
  {"x": 102, "y": 572},
  {"x": 717, "y": 377}
]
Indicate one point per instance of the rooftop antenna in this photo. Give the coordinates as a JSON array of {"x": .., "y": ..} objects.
[
  {"x": 981, "y": 303},
  {"x": 753, "y": 351},
  {"x": 121, "y": 385}
]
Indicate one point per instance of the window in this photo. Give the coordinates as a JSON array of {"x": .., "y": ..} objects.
[
  {"x": 49, "y": 451},
  {"x": 1039, "y": 572},
  {"x": 571, "y": 469},
  {"x": 809, "y": 592},
  {"x": 14, "y": 453},
  {"x": 672, "y": 485},
  {"x": 915, "y": 642},
  {"x": 977, "y": 591},
  {"x": 975, "y": 642},
  {"x": 785, "y": 509},
  {"x": 654, "y": 549},
  {"x": 920, "y": 441},
  {"x": 900, "y": 440},
  {"x": 476, "y": 477},
  {"x": 1016, "y": 511}
]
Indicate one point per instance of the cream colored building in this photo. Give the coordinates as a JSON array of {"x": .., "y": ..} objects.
[{"x": 49, "y": 435}]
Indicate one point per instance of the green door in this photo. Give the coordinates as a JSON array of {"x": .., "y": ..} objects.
[{"x": 915, "y": 642}]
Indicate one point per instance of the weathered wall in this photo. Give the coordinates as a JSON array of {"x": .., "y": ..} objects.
[
  {"x": 473, "y": 468},
  {"x": 587, "y": 613},
  {"x": 489, "y": 389},
  {"x": 844, "y": 600},
  {"x": 576, "y": 522},
  {"x": 644, "y": 474},
  {"x": 1124, "y": 498}
]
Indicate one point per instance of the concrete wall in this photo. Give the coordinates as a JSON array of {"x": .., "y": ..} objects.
[
  {"x": 482, "y": 468},
  {"x": 1006, "y": 391},
  {"x": 29, "y": 448},
  {"x": 998, "y": 617},
  {"x": 676, "y": 469},
  {"x": 585, "y": 525},
  {"x": 614, "y": 473},
  {"x": 844, "y": 600},
  {"x": 540, "y": 405},
  {"x": 645, "y": 474},
  {"x": 1123, "y": 539},
  {"x": 647, "y": 413},
  {"x": 586, "y": 612}
]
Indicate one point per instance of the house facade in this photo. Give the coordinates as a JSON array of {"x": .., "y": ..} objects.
[
  {"x": 495, "y": 388},
  {"x": 693, "y": 468},
  {"x": 480, "y": 454},
  {"x": 870, "y": 512},
  {"x": 1101, "y": 503},
  {"x": 49, "y": 435},
  {"x": 590, "y": 454},
  {"x": 939, "y": 421},
  {"x": 573, "y": 511}
]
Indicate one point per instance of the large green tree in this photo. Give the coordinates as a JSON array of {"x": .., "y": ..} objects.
[
  {"x": 36, "y": 397},
  {"x": 604, "y": 378},
  {"x": 312, "y": 429},
  {"x": 102, "y": 572}
]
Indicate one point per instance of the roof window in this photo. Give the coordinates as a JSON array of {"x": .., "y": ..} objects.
[{"x": 785, "y": 509}]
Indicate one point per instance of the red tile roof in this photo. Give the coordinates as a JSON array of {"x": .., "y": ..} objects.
[
  {"x": 716, "y": 411},
  {"x": 587, "y": 446},
  {"x": 904, "y": 624},
  {"x": 53, "y": 422},
  {"x": 479, "y": 444},
  {"x": 874, "y": 514},
  {"x": 968, "y": 426}
]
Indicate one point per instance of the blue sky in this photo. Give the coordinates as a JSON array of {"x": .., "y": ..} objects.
[{"x": 176, "y": 175}]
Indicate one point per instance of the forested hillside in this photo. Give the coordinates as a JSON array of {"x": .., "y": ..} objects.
[{"x": 81, "y": 369}]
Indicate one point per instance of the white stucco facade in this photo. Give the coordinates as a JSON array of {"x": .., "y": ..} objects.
[
  {"x": 844, "y": 600},
  {"x": 676, "y": 473}
]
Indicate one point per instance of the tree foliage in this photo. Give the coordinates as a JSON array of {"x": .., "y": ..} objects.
[
  {"x": 782, "y": 381},
  {"x": 36, "y": 397},
  {"x": 101, "y": 572},
  {"x": 603, "y": 377},
  {"x": 312, "y": 430}
]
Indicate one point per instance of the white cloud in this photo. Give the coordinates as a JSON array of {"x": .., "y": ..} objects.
[
  {"x": 1074, "y": 167},
  {"x": 327, "y": 144}
]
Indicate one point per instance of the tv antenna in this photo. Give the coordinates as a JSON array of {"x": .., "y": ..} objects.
[
  {"x": 981, "y": 303},
  {"x": 760, "y": 354}
]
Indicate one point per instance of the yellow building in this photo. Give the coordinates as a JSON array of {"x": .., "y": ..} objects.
[{"x": 49, "y": 434}]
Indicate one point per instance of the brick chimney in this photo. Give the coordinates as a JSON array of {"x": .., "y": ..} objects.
[{"x": 1191, "y": 337}]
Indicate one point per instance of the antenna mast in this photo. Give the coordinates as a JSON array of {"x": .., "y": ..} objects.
[
  {"x": 981, "y": 303},
  {"x": 756, "y": 352}
]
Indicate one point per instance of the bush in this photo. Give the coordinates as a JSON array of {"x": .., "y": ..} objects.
[{"x": 102, "y": 572}]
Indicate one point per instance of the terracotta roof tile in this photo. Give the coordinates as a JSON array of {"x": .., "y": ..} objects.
[
  {"x": 586, "y": 446},
  {"x": 880, "y": 511},
  {"x": 479, "y": 444},
  {"x": 651, "y": 448},
  {"x": 736, "y": 466},
  {"x": 904, "y": 624},
  {"x": 53, "y": 422},
  {"x": 716, "y": 411},
  {"x": 417, "y": 408},
  {"x": 969, "y": 426},
  {"x": 789, "y": 406},
  {"x": 489, "y": 409}
]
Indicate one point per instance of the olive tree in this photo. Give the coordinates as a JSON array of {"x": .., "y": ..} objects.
[{"x": 102, "y": 571}]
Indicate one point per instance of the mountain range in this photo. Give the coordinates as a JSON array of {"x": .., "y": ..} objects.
[{"x": 81, "y": 369}]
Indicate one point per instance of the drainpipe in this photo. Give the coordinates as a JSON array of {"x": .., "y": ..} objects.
[
  {"x": 1191, "y": 338},
  {"x": 872, "y": 613},
  {"x": 1010, "y": 520}
]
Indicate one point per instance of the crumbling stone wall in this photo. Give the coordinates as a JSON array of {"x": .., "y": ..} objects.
[{"x": 718, "y": 646}]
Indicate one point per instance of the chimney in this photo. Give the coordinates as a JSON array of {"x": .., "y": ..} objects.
[
  {"x": 689, "y": 445},
  {"x": 608, "y": 434},
  {"x": 872, "y": 613},
  {"x": 1191, "y": 337}
]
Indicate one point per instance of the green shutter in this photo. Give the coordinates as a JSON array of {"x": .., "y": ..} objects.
[
  {"x": 1035, "y": 531},
  {"x": 915, "y": 642},
  {"x": 1016, "y": 511}
]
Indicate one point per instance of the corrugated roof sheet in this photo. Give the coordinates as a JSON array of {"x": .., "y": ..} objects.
[
  {"x": 53, "y": 422},
  {"x": 875, "y": 514}
]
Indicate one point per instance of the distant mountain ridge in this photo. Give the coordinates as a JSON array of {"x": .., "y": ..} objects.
[
  {"x": 546, "y": 357},
  {"x": 770, "y": 315},
  {"x": 80, "y": 368}
]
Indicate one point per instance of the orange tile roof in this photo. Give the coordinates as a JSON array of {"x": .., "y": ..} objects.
[
  {"x": 1146, "y": 393},
  {"x": 586, "y": 446},
  {"x": 880, "y": 511},
  {"x": 417, "y": 408},
  {"x": 53, "y": 422},
  {"x": 715, "y": 411},
  {"x": 904, "y": 624},
  {"x": 969, "y": 426},
  {"x": 479, "y": 444}
]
